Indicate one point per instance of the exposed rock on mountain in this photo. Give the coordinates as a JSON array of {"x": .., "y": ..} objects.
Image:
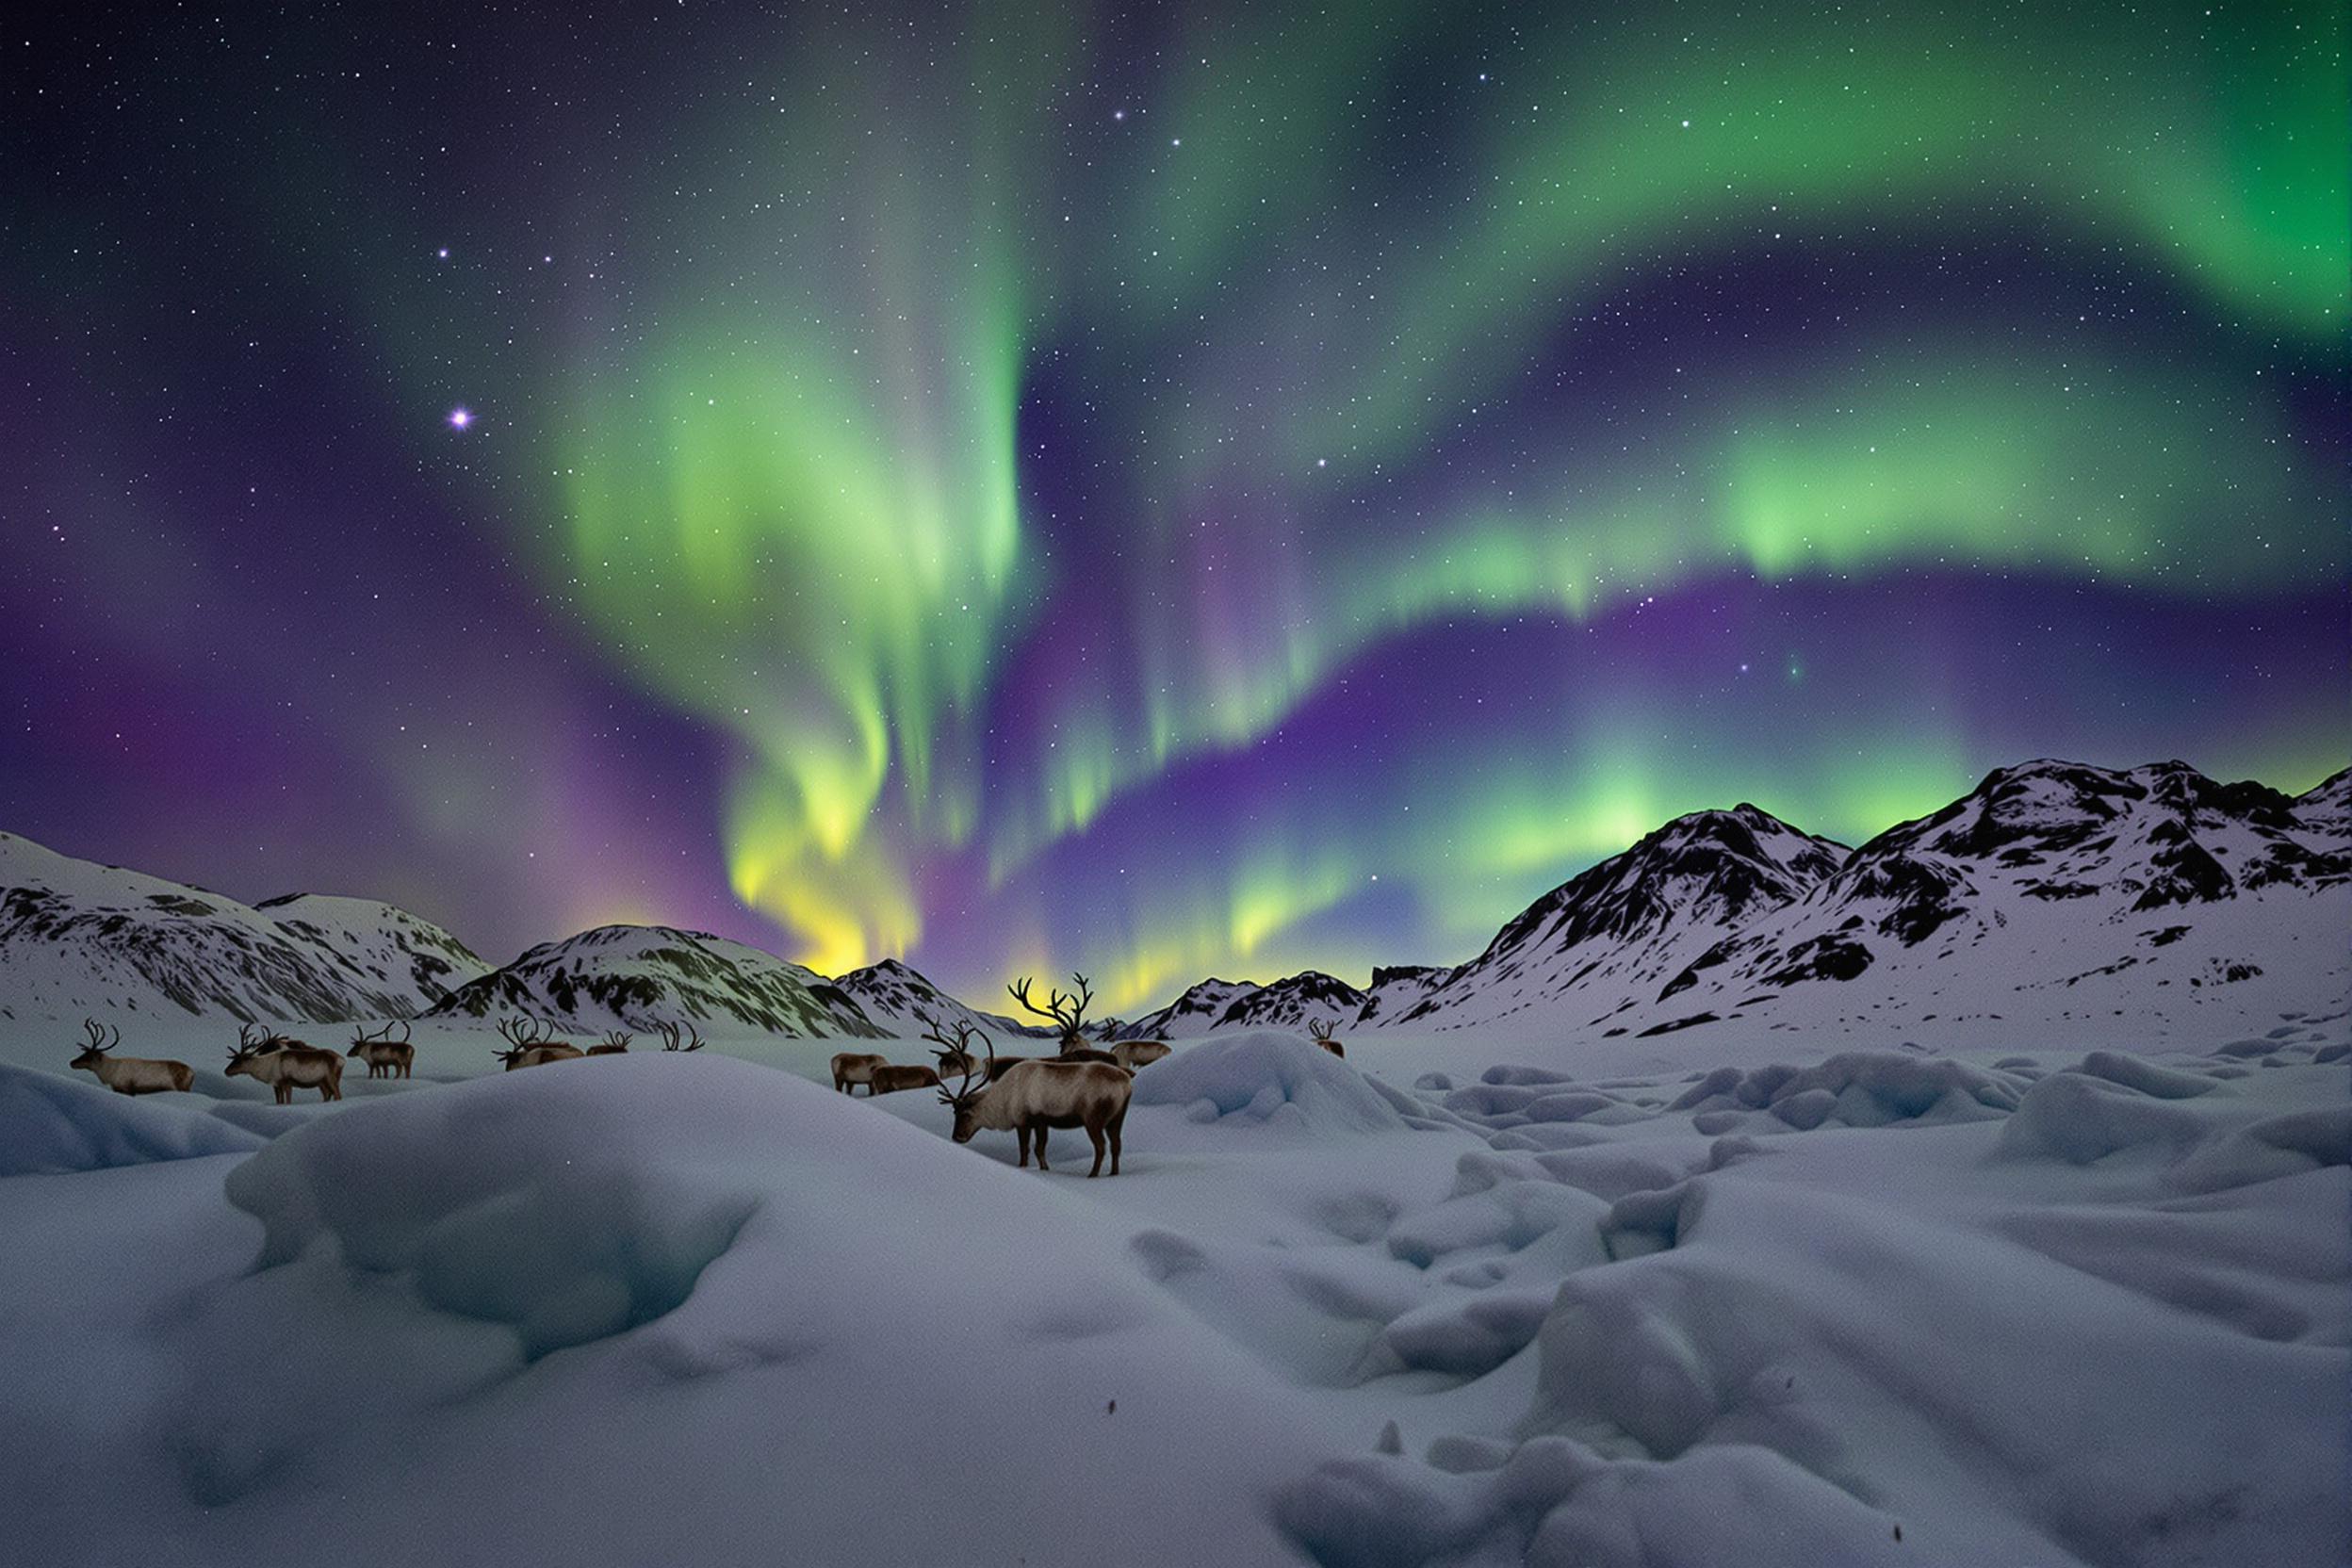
[{"x": 78, "y": 937}]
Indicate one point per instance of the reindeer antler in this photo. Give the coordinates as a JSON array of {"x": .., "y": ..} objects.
[
  {"x": 522, "y": 1033},
  {"x": 617, "y": 1038},
  {"x": 403, "y": 1023},
  {"x": 1069, "y": 1009},
  {"x": 985, "y": 1073},
  {"x": 97, "y": 1033},
  {"x": 670, "y": 1032},
  {"x": 1321, "y": 1028}
]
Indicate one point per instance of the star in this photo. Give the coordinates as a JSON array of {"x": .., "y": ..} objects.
[{"x": 460, "y": 417}]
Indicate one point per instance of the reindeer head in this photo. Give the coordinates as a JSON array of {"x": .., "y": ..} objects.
[
  {"x": 964, "y": 1099},
  {"x": 1067, "y": 1010},
  {"x": 675, "y": 1037},
  {"x": 953, "y": 1055},
  {"x": 520, "y": 1034},
  {"x": 361, "y": 1042},
  {"x": 617, "y": 1039},
  {"x": 252, "y": 1043},
  {"x": 96, "y": 1046}
]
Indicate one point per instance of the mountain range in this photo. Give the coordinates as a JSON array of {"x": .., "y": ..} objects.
[{"x": 2144, "y": 903}]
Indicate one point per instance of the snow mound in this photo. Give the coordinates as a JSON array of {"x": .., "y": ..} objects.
[
  {"x": 1853, "y": 1088},
  {"x": 48, "y": 1123},
  {"x": 764, "y": 1292},
  {"x": 505, "y": 1209},
  {"x": 2082, "y": 1118},
  {"x": 1933, "y": 1407},
  {"x": 1271, "y": 1078}
]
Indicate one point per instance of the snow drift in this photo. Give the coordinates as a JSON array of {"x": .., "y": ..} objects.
[{"x": 49, "y": 1124}]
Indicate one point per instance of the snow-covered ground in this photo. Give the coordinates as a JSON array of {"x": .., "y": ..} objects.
[{"x": 1465, "y": 1298}]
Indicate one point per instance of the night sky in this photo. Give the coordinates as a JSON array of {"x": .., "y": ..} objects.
[{"x": 1162, "y": 491}]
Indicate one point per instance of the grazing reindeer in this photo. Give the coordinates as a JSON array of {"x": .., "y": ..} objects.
[
  {"x": 1321, "y": 1029},
  {"x": 285, "y": 1065},
  {"x": 1033, "y": 1096},
  {"x": 615, "y": 1044},
  {"x": 1069, "y": 1011},
  {"x": 953, "y": 1056},
  {"x": 386, "y": 1057},
  {"x": 1132, "y": 1055},
  {"x": 532, "y": 1043},
  {"x": 890, "y": 1078},
  {"x": 671, "y": 1034},
  {"x": 128, "y": 1074},
  {"x": 852, "y": 1068}
]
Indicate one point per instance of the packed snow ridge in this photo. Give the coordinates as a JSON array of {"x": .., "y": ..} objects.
[{"x": 1882, "y": 1306}]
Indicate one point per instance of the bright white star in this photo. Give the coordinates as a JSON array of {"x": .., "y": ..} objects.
[{"x": 460, "y": 418}]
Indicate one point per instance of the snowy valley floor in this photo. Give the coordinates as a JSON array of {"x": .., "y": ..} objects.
[{"x": 1465, "y": 1299}]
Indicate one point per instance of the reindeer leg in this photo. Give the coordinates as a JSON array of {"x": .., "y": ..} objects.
[
  {"x": 1094, "y": 1131},
  {"x": 1022, "y": 1134},
  {"x": 1117, "y": 1122},
  {"x": 1041, "y": 1132}
]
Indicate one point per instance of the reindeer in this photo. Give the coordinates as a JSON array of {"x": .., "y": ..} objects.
[
  {"x": 386, "y": 1058},
  {"x": 1132, "y": 1055},
  {"x": 127, "y": 1074},
  {"x": 1321, "y": 1029},
  {"x": 672, "y": 1035},
  {"x": 953, "y": 1056},
  {"x": 1069, "y": 1011},
  {"x": 285, "y": 1065},
  {"x": 890, "y": 1078},
  {"x": 532, "y": 1043},
  {"x": 615, "y": 1044},
  {"x": 1033, "y": 1096},
  {"x": 852, "y": 1068}
]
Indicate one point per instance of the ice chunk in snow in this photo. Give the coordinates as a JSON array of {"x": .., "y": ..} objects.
[{"x": 48, "y": 1123}]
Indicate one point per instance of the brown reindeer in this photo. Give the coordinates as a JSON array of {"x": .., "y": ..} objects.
[
  {"x": 677, "y": 1038},
  {"x": 1068, "y": 1012},
  {"x": 890, "y": 1078},
  {"x": 953, "y": 1056},
  {"x": 614, "y": 1044},
  {"x": 386, "y": 1057},
  {"x": 1321, "y": 1029},
  {"x": 532, "y": 1043},
  {"x": 128, "y": 1074},
  {"x": 285, "y": 1065},
  {"x": 852, "y": 1068},
  {"x": 1032, "y": 1097},
  {"x": 1132, "y": 1055}
]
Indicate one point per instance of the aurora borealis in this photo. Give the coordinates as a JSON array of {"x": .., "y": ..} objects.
[{"x": 1159, "y": 491}]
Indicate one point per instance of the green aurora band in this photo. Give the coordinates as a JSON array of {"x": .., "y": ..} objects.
[{"x": 792, "y": 496}]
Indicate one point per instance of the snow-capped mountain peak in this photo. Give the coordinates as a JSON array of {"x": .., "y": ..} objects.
[{"x": 79, "y": 938}]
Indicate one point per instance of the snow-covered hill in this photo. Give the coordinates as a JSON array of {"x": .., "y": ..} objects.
[
  {"x": 632, "y": 976},
  {"x": 78, "y": 937},
  {"x": 899, "y": 1000},
  {"x": 2109, "y": 906},
  {"x": 1620, "y": 929},
  {"x": 1201, "y": 1009}
]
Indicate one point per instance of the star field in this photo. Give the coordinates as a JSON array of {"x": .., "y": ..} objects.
[{"x": 1159, "y": 491}]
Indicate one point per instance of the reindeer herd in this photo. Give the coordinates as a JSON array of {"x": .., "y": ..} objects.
[{"x": 1080, "y": 1086}]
